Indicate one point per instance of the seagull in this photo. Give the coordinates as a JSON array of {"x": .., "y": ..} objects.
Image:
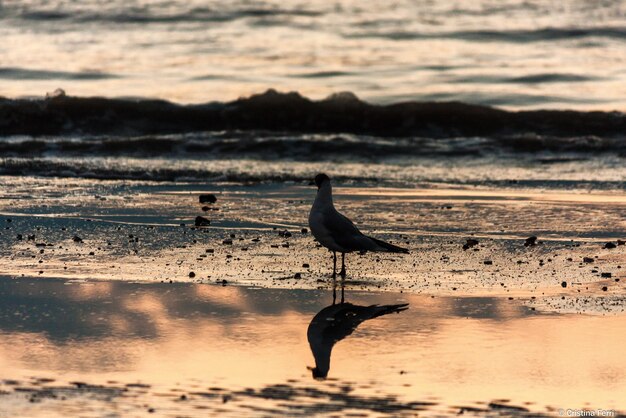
[
  {"x": 334, "y": 323},
  {"x": 336, "y": 232}
]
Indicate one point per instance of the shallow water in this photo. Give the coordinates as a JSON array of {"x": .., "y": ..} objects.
[
  {"x": 513, "y": 53},
  {"x": 120, "y": 349}
]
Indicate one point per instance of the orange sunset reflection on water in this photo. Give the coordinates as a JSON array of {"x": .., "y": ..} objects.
[{"x": 447, "y": 352}]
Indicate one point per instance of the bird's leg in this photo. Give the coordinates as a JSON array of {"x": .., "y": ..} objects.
[
  {"x": 343, "y": 266},
  {"x": 334, "y": 264},
  {"x": 343, "y": 285}
]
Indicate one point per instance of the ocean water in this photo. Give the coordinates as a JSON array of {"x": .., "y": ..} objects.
[{"x": 518, "y": 54}]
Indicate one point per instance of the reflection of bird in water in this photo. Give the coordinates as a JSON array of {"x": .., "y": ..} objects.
[
  {"x": 336, "y": 322},
  {"x": 336, "y": 232}
]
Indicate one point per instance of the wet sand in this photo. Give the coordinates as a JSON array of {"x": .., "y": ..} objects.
[{"x": 109, "y": 284}]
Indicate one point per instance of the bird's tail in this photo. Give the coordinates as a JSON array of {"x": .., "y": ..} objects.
[
  {"x": 389, "y": 247},
  {"x": 387, "y": 309}
]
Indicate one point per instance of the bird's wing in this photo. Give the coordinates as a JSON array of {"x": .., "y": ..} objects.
[{"x": 345, "y": 233}]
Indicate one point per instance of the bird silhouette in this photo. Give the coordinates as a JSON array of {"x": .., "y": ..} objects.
[
  {"x": 334, "y": 323},
  {"x": 336, "y": 232}
]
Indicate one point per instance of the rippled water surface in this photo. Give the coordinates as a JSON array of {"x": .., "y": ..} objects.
[{"x": 519, "y": 54}]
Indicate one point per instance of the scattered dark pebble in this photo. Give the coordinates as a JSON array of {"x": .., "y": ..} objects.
[
  {"x": 202, "y": 221},
  {"x": 606, "y": 275},
  {"x": 488, "y": 262},
  {"x": 469, "y": 243},
  {"x": 297, "y": 276},
  {"x": 77, "y": 239},
  {"x": 530, "y": 241},
  {"x": 207, "y": 198},
  {"x": 604, "y": 288},
  {"x": 305, "y": 265},
  {"x": 227, "y": 242},
  {"x": 284, "y": 233},
  {"x": 588, "y": 260},
  {"x": 19, "y": 237},
  {"x": 620, "y": 242},
  {"x": 609, "y": 245},
  {"x": 304, "y": 231},
  {"x": 192, "y": 274},
  {"x": 563, "y": 284},
  {"x": 205, "y": 208}
]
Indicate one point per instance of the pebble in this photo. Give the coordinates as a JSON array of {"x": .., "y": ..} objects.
[
  {"x": 469, "y": 243},
  {"x": 202, "y": 221},
  {"x": 609, "y": 245},
  {"x": 77, "y": 239},
  {"x": 530, "y": 241},
  {"x": 207, "y": 198}
]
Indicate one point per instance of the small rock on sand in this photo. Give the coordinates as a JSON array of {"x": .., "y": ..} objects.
[
  {"x": 588, "y": 260},
  {"x": 609, "y": 245},
  {"x": 77, "y": 239},
  {"x": 606, "y": 275},
  {"x": 530, "y": 241},
  {"x": 469, "y": 243},
  {"x": 563, "y": 284},
  {"x": 207, "y": 198},
  {"x": 202, "y": 221}
]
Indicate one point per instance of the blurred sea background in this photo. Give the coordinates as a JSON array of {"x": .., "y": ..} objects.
[{"x": 517, "y": 54}]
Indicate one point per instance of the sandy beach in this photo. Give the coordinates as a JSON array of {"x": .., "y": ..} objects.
[{"x": 114, "y": 300}]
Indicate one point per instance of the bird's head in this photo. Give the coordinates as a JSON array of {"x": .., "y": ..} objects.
[
  {"x": 317, "y": 373},
  {"x": 320, "y": 179}
]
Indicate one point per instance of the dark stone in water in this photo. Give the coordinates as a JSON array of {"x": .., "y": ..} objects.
[
  {"x": 77, "y": 239},
  {"x": 530, "y": 241},
  {"x": 609, "y": 245},
  {"x": 207, "y": 198},
  {"x": 19, "y": 237},
  {"x": 202, "y": 221},
  {"x": 205, "y": 208},
  {"x": 284, "y": 233}
]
